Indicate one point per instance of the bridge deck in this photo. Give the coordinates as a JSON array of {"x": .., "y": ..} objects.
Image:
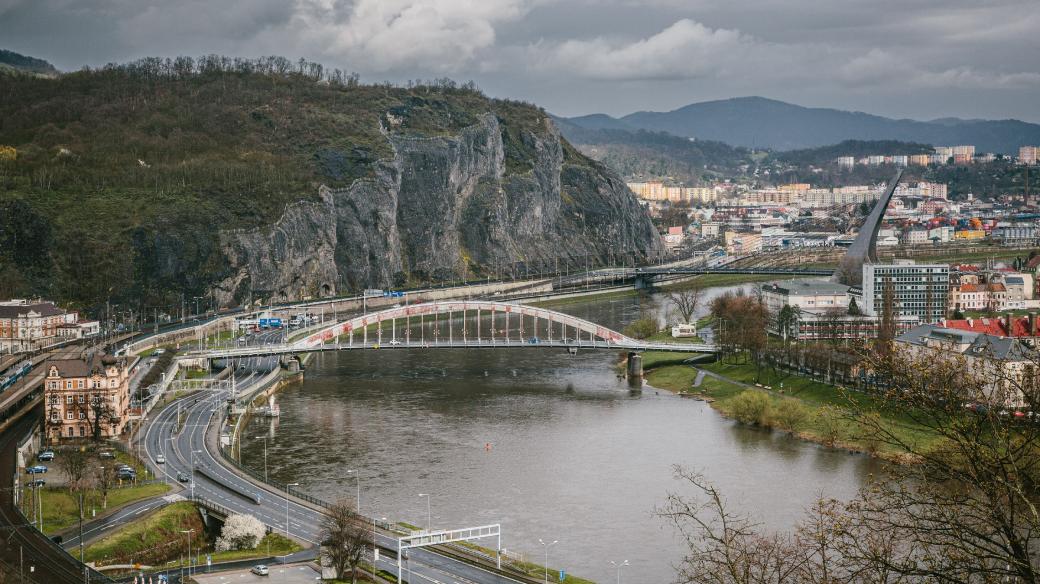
[{"x": 456, "y": 344}]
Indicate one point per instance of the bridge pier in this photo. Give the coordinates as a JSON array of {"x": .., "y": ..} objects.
[
  {"x": 634, "y": 369},
  {"x": 643, "y": 282}
]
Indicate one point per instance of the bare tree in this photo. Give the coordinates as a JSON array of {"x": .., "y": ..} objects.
[
  {"x": 686, "y": 300},
  {"x": 106, "y": 478},
  {"x": 98, "y": 411},
  {"x": 76, "y": 464},
  {"x": 344, "y": 538}
]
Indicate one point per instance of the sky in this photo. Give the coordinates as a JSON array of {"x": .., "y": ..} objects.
[{"x": 921, "y": 59}]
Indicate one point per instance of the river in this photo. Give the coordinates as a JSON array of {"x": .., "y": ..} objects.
[{"x": 552, "y": 446}]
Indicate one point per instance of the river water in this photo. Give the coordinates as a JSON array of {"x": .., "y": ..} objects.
[{"x": 552, "y": 446}]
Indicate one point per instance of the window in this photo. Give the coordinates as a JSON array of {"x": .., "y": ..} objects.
[
  {"x": 70, "y": 416},
  {"x": 81, "y": 383},
  {"x": 69, "y": 399},
  {"x": 68, "y": 384},
  {"x": 82, "y": 431},
  {"x": 83, "y": 415},
  {"x": 71, "y": 432},
  {"x": 81, "y": 398}
]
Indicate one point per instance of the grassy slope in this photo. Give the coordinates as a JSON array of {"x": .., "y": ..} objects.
[
  {"x": 61, "y": 508},
  {"x": 812, "y": 394},
  {"x": 152, "y": 540}
]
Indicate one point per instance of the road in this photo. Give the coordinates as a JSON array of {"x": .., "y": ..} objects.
[{"x": 196, "y": 444}]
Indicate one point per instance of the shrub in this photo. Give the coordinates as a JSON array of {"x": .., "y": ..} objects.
[
  {"x": 829, "y": 419},
  {"x": 751, "y": 407},
  {"x": 642, "y": 328},
  {"x": 241, "y": 532},
  {"x": 790, "y": 414}
]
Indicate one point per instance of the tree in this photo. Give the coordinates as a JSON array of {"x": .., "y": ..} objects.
[
  {"x": 98, "y": 412},
  {"x": 854, "y": 308},
  {"x": 76, "y": 463},
  {"x": 344, "y": 538},
  {"x": 240, "y": 532},
  {"x": 107, "y": 477},
  {"x": 785, "y": 319},
  {"x": 687, "y": 300}
]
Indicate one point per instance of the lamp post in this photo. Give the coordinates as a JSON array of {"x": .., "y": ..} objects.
[
  {"x": 429, "y": 517},
  {"x": 619, "y": 566},
  {"x": 357, "y": 476},
  {"x": 264, "y": 438},
  {"x": 546, "y": 564},
  {"x": 287, "y": 485},
  {"x": 189, "y": 532},
  {"x": 193, "y": 453}
]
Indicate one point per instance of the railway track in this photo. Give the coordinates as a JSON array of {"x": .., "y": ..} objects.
[{"x": 22, "y": 547}]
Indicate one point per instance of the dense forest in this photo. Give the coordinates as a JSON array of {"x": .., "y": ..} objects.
[{"x": 115, "y": 179}]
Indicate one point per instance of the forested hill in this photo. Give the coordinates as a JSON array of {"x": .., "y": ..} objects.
[
  {"x": 655, "y": 154},
  {"x": 855, "y": 148},
  {"x": 12, "y": 62},
  {"x": 267, "y": 179}
]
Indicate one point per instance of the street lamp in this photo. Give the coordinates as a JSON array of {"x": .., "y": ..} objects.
[
  {"x": 287, "y": 485},
  {"x": 429, "y": 520},
  {"x": 619, "y": 566},
  {"x": 264, "y": 438},
  {"x": 190, "y": 532},
  {"x": 546, "y": 564},
  {"x": 357, "y": 476}
]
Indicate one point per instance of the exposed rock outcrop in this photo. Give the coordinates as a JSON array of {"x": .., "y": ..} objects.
[{"x": 440, "y": 207}]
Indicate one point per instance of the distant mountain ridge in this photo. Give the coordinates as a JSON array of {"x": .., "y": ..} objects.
[{"x": 758, "y": 122}]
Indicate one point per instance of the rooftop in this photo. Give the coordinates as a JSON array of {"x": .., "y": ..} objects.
[{"x": 807, "y": 288}]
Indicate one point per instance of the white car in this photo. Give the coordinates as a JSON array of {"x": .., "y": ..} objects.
[
  {"x": 260, "y": 570},
  {"x": 160, "y": 459},
  {"x": 395, "y": 342}
]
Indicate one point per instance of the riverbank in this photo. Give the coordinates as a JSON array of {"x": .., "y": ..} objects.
[{"x": 811, "y": 410}]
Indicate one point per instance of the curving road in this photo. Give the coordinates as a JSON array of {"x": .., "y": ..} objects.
[{"x": 197, "y": 442}]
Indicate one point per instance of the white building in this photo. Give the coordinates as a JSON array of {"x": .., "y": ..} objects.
[
  {"x": 26, "y": 325},
  {"x": 815, "y": 296},
  {"x": 917, "y": 289}
]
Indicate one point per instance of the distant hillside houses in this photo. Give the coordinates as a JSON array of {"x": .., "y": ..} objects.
[{"x": 963, "y": 154}]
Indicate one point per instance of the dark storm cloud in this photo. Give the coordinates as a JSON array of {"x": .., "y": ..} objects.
[{"x": 920, "y": 58}]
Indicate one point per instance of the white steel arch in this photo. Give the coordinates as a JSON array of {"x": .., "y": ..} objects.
[{"x": 507, "y": 311}]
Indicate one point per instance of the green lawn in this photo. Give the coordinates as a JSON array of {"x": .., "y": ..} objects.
[
  {"x": 817, "y": 398},
  {"x": 61, "y": 508},
  {"x": 273, "y": 544}
]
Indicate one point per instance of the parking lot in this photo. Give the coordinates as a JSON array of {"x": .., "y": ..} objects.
[{"x": 280, "y": 574}]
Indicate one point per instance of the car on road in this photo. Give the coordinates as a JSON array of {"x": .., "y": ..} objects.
[
  {"x": 260, "y": 570},
  {"x": 160, "y": 459},
  {"x": 45, "y": 456},
  {"x": 37, "y": 469},
  {"x": 394, "y": 342},
  {"x": 533, "y": 341},
  {"x": 37, "y": 483},
  {"x": 183, "y": 477},
  {"x": 106, "y": 454}
]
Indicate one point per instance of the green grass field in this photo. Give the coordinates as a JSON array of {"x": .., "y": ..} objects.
[
  {"x": 152, "y": 540},
  {"x": 61, "y": 508}
]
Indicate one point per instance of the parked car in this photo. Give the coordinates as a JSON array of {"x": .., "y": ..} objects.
[
  {"x": 260, "y": 570},
  {"x": 394, "y": 342},
  {"x": 106, "y": 454},
  {"x": 533, "y": 341},
  {"x": 37, "y": 469},
  {"x": 183, "y": 477},
  {"x": 37, "y": 483},
  {"x": 160, "y": 459},
  {"x": 45, "y": 456}
]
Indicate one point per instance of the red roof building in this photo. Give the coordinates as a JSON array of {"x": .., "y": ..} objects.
[{"x": 1023, "y": 326}]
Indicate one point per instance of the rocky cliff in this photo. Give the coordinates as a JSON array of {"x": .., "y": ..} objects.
[{"x": 440, "y": 207}]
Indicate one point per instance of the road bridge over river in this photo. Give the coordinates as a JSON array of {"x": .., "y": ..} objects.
[{"x": 469, "y": 324}]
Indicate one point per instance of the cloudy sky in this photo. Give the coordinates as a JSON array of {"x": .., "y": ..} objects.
[{"x": 904, "y": 58}]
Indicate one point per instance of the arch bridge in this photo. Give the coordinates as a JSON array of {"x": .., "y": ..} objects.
[{"x": 467, "y": 324}]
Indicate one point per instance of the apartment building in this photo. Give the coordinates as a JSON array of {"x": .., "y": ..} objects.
[
  {"x": 26, "y": 325},
  {"x": 807, "y": 295},
  {"x": 82, "y": 395},
  {"x": 1028, "y": 154},
  {"x": 918, "y": 290}
]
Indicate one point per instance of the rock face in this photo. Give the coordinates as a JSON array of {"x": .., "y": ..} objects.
[{"x": 442, "y": 207}]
